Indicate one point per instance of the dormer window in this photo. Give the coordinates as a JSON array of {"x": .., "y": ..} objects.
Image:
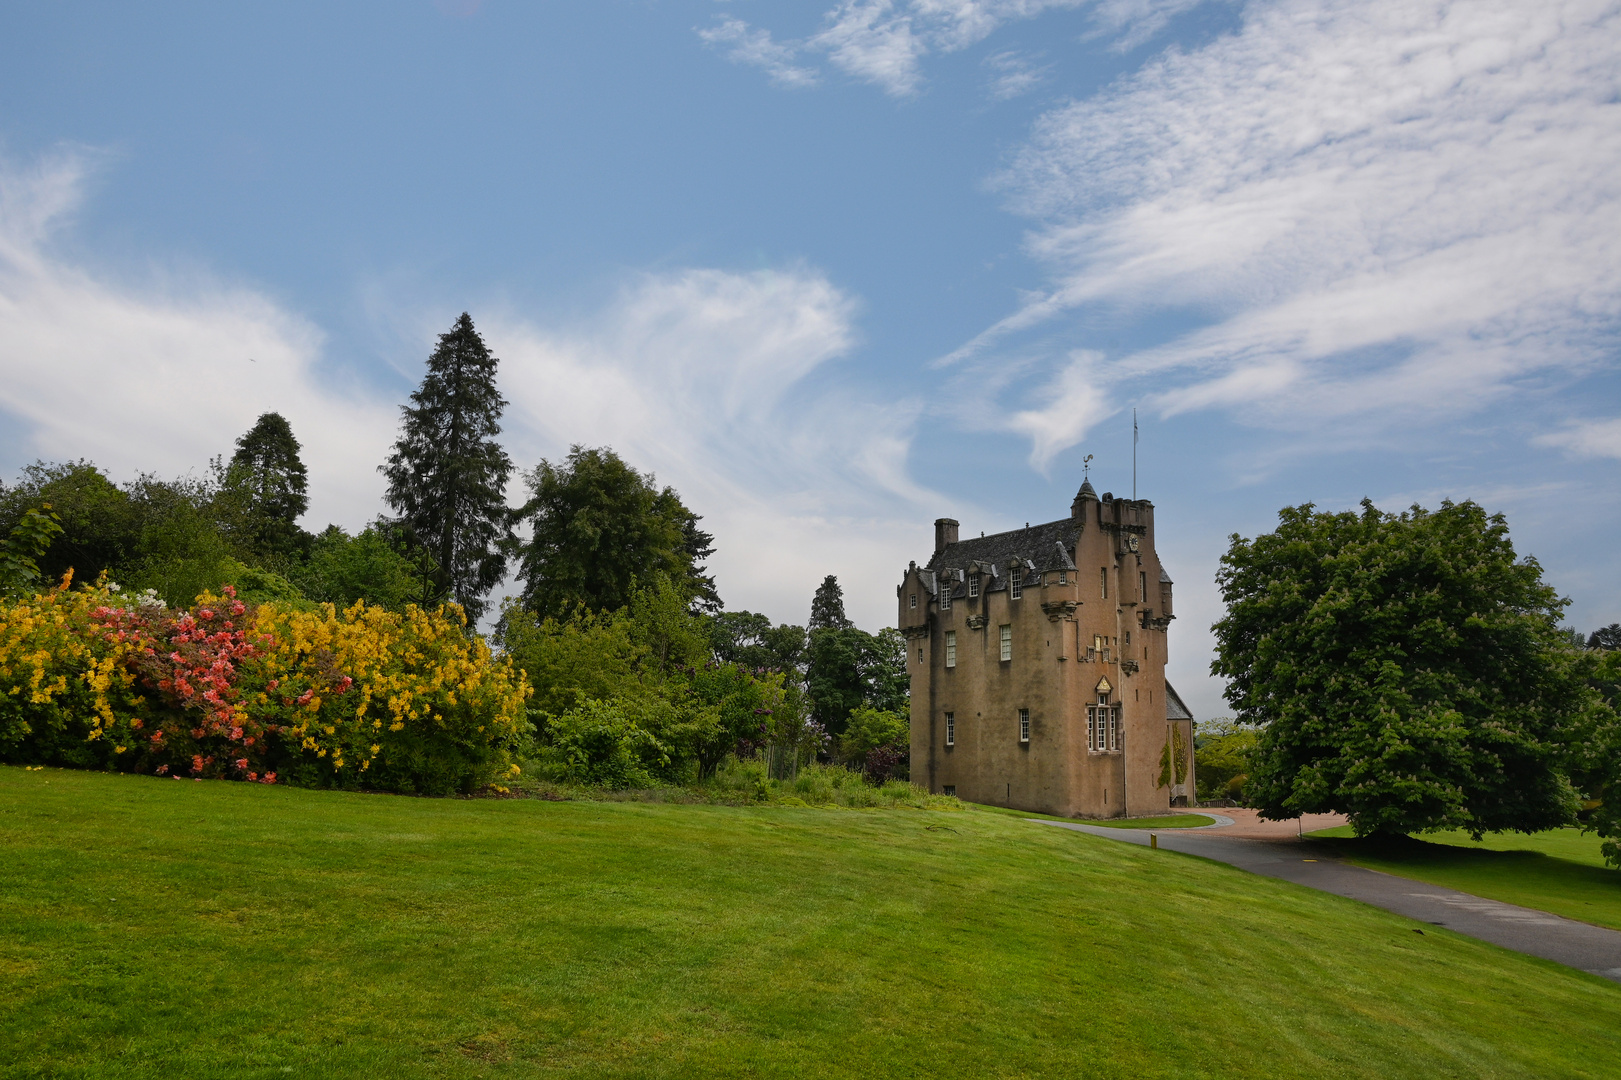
[
  {"x": 945, "y": 595},
  {"x": 1015, "y": 585},
  {"x": 973, "y": 586}
]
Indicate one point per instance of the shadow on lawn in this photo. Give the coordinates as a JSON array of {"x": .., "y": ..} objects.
[{"x": 1409, "y": 855}]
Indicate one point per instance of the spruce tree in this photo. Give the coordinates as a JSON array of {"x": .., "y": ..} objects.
[
  {"x": 827, "y": 607},
  {"x": 266, "y": 486},
  {"x": 447, "y": 476}
]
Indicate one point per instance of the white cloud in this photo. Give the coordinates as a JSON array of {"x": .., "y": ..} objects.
[
  {"x": 159, "y": 378},
  {"x": 718, "y": 382},
  {"x": 1073, "y": 406},
  {"x": 1589, "y": 439},
  {"x": 702, "y": 376},
  {"x": 884, "y": 42},
  {"x": 1385, "y": 209},
  {"x": 755, "y": 48},
  {"x": 870, "y": 40}
]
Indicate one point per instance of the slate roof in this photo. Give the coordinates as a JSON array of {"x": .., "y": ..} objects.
[
  {"x": 1174, "y": 707},
  {"x": 1032, "y": 550}
]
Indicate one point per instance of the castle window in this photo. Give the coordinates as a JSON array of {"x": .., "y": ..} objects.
[
  {"x": 951, "y": 730},
  {"x": 1128, "y": 638},
  {"x": 1142, "y": 585},
  {"x": 1007, "y": 641},
  {"x": 1016, "y": 585},
  {"x": 1103, "y": 725},
  {"x": 914, "y": 600},
  {"x": 1103, "y": 581},
  {"x": 951, "y": 648},
  {"x": 973, "y": 586},
  {"x": 1024, "y": 725},
  {"x": 945, "y": 595}
]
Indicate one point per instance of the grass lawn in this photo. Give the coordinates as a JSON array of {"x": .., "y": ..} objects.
[
  {"x": 1168, "y": 821},
  {"x": 1560, "y": 870},
  {"x": 178, "y": 929}
]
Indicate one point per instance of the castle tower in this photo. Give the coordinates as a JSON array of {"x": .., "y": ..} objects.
[{"x": 1037, "y": 659}]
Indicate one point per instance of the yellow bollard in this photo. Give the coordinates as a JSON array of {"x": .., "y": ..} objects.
[{"x": 1153, "y": 841}]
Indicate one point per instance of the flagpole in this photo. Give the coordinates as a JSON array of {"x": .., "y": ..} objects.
[{"x": 1134, "y": 453}]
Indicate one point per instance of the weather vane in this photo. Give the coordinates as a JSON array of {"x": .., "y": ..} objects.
[{"x": 1086, "y": 467}]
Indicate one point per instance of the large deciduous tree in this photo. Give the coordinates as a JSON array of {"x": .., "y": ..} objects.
[
  {"x": 1407, "y": 670},
  {"x": 447, "y": 476},
  {"x": 601, "y": 531}
]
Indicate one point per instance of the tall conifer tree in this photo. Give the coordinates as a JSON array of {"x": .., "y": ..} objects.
[
  {"x": 827, "y": 607},
  {"x": 268, "y": 484},
  {"x": 447, "y": 476}
]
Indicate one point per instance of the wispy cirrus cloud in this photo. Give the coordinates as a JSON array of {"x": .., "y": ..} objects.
[
  {"x": 703, "y": 374},
  {"x": 1014, "y": 74},
  {"x": 1388, "y": 210},
  {"x": 884, "y": 42},
  {"x": 754, "y": 47}
]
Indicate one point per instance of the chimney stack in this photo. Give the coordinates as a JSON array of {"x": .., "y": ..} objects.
[{"x": 945, "y": 532}]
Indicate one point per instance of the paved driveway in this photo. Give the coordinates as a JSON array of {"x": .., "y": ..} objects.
[{"x": 1593, "y": 949}]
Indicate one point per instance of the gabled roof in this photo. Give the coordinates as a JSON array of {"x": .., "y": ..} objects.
[
  {"x": 1037, "y": 548},
  {"x": 1174, "y": 707}
]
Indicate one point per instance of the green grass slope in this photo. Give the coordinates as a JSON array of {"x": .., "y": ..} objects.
[
  {"x": 1560, "y": 870},
  {"x": 179, "y": 929}
]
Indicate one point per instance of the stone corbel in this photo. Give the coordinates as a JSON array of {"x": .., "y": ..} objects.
[
  {"x": 976, "y": 622},
  {"x": 1059, "y": 609}
]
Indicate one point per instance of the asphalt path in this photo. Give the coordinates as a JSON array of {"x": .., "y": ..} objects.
[{"x": 1593, "y": 949}]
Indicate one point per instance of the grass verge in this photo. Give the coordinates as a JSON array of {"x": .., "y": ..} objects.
[
  {"x": 1559, "y": 871},
  {"x": 169, "y": 928}
]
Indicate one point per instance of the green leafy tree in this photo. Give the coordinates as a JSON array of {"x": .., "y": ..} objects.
[
  {"x": 848, "y": 668},
  {"x": 1605, "y": 637},
  {"x": 601, "y": 531},
  {"x": 827, "y": 607},
  {"x": 30, "y": 538},
  {"x": 750, "y": 639},
  {"x": 868, "y": 729},
  {"x": 264, "y": 488},
  {"x": 1221, "y": 754},
  {"x": 1406, "y": 670},
  {"x": 101, "y": 527},
  {"x": 341, "y": 569},
  {"x": 447, "y": 475}
]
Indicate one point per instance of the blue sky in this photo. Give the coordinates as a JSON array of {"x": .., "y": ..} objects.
[{"x": 836, "y": 269}]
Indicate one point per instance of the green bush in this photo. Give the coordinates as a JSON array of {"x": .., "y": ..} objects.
[{"x": 596, "y": 743}]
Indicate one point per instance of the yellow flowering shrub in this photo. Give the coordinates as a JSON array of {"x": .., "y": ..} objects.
[
  {"x": 401, "y": 701},
  {"x": 67, "y": 694}
]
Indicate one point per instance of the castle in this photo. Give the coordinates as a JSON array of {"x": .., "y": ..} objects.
[{"x": 1038, "y": 666}]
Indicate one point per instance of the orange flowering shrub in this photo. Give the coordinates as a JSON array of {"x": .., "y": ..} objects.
[{"x": 359, "y": 698}]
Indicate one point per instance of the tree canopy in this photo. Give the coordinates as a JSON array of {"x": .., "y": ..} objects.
[
  {"x": 447, "y": 475},
  {"x": 601, "y": 531},
  {"x": 1407, "y": 670}
]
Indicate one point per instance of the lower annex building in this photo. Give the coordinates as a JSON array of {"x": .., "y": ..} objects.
[{"x": 1037, "y": 660}]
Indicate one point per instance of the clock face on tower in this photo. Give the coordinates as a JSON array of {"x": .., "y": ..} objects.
[{"x": 1131, "y": 543}]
